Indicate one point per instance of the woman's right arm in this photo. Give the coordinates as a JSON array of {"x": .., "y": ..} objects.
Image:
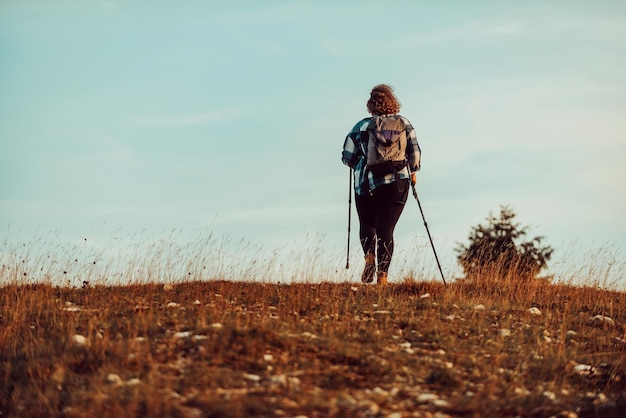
[{"x": 349, "y": 155}]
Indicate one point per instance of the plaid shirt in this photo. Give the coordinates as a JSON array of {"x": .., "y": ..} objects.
[{"x": 355, "y": 156}]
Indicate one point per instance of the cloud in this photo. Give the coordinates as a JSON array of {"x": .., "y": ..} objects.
[
  {"x": 607, "y": 27},
  {"x": 258, "y": 12},
  {"x": 186, "y": 120},
  {"x": 470, "y": 32},
  {"x": 273, "y": 213},
  {"x": 44, "y": 6},
  {"x": 91, "y": 150},
  {"x": 502, "y": 29},
  {"x": 555, "y": 112}
]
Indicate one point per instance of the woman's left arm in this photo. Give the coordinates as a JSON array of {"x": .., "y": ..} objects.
[{"x": 413, "y": 151}]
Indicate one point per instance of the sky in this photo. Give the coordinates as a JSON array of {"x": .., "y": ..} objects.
[{"x": 126, "y": 118}]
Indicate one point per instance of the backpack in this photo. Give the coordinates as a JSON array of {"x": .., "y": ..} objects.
[{"x": 386, "y": 145}]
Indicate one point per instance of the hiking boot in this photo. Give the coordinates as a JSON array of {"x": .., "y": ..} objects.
[
  {"x": 370, "y": 268},
  {"x": 382, "y": 278}
]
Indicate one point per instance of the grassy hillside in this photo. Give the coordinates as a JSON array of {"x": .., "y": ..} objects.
[{"x": 220, "y": 348}]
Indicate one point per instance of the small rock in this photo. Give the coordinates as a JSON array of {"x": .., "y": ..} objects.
[
  {"x": 583, "y": 369},
  {"x": 570, "y": 334},
  {"x": 268, "y": 357},
  {"x": 197, "y": 302},
  {"x": 79, "y": 340},
  {"x": 173, "y": 305},
  {"x": 379, "y": 391},
  {"x": 427, "y": 397},
  {"x": 425, "y": 296},
  {"x": 600, "y": 320},
  {"x": 505, "y": 333},
  {"x": 522, "y": 391},
  {"x": 618, "y": 340},
  {"x": 549, "y": 395},
  {"x": 534, "y": 311},
  {"x": 133, "y": 382},
  {"x": 114, "y": 379},
  {"x": 199, "y": 337},
  {"x": 371, "y": 407},
  {"x": 441, "y": 403},
  {"x": 182, "y": 334},
  {"x": 480, "y": 307},
  {"x": 252, "y": 377},
  {"x": 280, "y": 379},
  {"x": 216, "y": 325}
]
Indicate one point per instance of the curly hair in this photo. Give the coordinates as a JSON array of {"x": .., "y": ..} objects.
[{"x": 382, "y": 101}]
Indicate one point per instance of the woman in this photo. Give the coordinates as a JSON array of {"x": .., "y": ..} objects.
[{"x": 380, "y": 195}]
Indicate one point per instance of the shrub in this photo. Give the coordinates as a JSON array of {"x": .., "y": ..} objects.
[{"x": 497, "y": 249}]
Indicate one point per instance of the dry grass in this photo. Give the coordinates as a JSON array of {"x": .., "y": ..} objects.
[{"x": 231, "y": 348}]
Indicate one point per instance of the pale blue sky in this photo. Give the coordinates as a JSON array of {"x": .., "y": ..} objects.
[{"x": 230, "y": 117}]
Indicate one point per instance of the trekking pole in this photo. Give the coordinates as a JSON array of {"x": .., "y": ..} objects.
[
  {"x": 349, "y": 217},
  {"x": 429, "y": 237}
]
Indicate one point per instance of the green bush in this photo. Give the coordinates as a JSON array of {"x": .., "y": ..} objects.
[{"x": 497, "y": 249}]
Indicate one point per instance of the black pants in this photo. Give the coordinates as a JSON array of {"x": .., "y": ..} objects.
[{"x": 378, "y": 216}]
